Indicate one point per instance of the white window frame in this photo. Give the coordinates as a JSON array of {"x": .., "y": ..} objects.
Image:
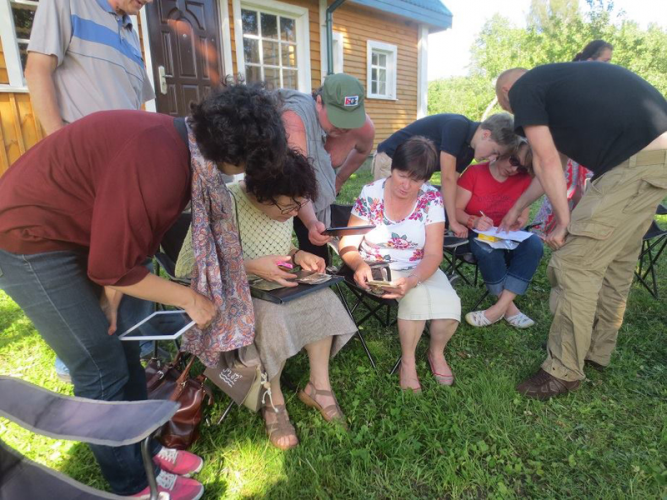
[
  {"x": 300, "y": 14},
  {"x": 392, "y": 69},
  {"x": 338, "y": 63},
  {"x": 10, "y": 47}
]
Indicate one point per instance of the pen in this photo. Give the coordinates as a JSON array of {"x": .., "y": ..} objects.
[{"x": 483, "y": 214}]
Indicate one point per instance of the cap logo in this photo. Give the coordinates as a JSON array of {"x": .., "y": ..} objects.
[{"x": 351, "y": 100}]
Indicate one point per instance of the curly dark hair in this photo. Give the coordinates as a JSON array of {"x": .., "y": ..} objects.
[
  {"x": 240, "y": 125},
  {"x": 296, "y": 179}
]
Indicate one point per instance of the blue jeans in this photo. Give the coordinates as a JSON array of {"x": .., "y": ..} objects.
[
  {"x": 509, "y": 270},
  {"x": 55, "y": 293},
  {"x": 136, "y": 311}
]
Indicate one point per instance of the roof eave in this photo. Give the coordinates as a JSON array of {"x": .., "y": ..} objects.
[{"x": 434, "y": 20}]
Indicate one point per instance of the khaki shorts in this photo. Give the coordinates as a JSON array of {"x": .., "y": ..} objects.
[{"x": 381, "y": 166}]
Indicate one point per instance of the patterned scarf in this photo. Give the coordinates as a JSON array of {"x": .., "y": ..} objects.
[{"x": 218, "y": 272}]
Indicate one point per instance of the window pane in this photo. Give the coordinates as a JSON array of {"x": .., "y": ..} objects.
[
  {"x": 374, "y": 74},
  {"x": 374, "y": 87},
  {"x": 253, "y": 74},
  {"x": 251, "y": 50},
  {"x": 289, "y": 55},
  {"x": 269, "y": 26},
  {"x": 382, "y": 60},
  {"x": 272, "y": 77},
  {"x": 374, "y": 58},
  {"x": 290, "y": 79},
  {"x": 287, "y": 29},
  {"x": 249, "y": 22},
  {"x": 23, "y": 17},
  {"x": 271, "y": 52},
  {"x": 382, "y": 75},
  {"x": 383, "y": 88}
]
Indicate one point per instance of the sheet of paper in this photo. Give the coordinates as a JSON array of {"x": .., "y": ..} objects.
[{"x": 506, "y": 235}]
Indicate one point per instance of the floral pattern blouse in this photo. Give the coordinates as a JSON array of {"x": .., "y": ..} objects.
[{"x": 399, "y": 242}]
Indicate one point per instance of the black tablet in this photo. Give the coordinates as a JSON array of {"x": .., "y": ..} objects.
[{"x": 348, "y": 230}]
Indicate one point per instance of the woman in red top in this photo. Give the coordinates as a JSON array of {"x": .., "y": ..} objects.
[{"x": 485, "y": 193}]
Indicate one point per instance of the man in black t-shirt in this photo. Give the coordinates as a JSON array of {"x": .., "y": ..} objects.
[
  {"x": 459, "y": 141},
  {"x": 614, "y": 122}
]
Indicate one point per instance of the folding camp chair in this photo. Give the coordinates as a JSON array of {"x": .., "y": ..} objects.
[
  {"x": 371, "y": 305},
  {"x": 653, "y": 244},
  {"x": 73, "y": 419}
]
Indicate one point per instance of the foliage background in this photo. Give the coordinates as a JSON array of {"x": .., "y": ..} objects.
[{"x": 557, "y": 31}]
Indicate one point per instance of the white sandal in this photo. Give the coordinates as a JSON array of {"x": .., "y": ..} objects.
[
  {"x": 520, "y": 321},
  {"x": 477, "y": 318}
]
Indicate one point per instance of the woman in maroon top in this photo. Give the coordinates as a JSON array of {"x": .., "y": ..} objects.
[
  {"x": 82, "y": 211},
  {"x": 485, "y": 194}
]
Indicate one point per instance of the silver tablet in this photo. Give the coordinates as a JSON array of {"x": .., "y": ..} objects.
[{"x": 155, "y": 320}]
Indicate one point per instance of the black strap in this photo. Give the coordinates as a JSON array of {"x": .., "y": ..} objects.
[{"x": 179, "y": 125}]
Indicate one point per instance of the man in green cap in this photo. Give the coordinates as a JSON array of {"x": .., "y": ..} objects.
[{"x": 331, "y": 128}]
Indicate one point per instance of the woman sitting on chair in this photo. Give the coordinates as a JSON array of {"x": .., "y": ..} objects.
[
  {"x": 409, "y": 221},
  {"x": 317, "y": 322},
  {"x": 485, "y": 194}
]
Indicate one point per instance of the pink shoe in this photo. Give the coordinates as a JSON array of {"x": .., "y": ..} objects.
[
  {"x": 178, "y": 462},
  {"x": 178, "y": 488}
]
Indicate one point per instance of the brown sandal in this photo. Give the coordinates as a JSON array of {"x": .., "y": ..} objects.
[
  {"x": 281, "y": 428},
  {"x": 331, "y": 412}
]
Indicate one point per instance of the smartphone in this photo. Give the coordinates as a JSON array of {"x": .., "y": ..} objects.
[
  {"x": 348, "y": 230},
  {"x": 380, "y": 284}
]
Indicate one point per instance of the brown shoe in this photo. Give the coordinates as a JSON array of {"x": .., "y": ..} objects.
[{"x": 544, "y": 386}]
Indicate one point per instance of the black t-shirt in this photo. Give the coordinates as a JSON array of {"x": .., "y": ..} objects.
[
  {"x": 451, "y": 134},
  {"x": 599, "y": 114}
]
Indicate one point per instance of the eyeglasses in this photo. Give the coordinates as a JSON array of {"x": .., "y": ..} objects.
[
  {"x": 515, "y": 162},
  {"x": 292, "y": 208}
]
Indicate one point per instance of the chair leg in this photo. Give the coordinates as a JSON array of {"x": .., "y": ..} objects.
[
  {"x": 481, "y": 299},
  {"x": 226, "y": 412},
  {"x": 149, "y": 467},
  {"x": 368, "y": 352},
  {"x": 396, "y": 365}
]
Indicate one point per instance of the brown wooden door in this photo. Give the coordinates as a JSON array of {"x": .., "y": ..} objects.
[{"x": 186, "y": 52}]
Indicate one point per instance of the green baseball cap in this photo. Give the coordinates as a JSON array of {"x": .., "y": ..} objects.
[{"x": 343, "y": 96}]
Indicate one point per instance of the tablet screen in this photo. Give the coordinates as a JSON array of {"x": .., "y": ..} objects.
[{"x": 161, "y": 325}]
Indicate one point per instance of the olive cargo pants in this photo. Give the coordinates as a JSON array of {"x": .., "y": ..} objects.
[{"x": 591, "y": 274}]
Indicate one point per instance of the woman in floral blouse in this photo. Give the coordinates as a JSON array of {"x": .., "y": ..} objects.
[{"x": 409, "y": 220}]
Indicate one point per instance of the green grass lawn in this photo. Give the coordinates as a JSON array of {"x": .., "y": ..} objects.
[{"x": 478, "y": 439}]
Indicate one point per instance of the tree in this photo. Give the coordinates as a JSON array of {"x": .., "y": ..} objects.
[{"x": 554, "y": 36}]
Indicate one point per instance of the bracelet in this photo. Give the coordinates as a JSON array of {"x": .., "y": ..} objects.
[
  {"x": 294, "y": 254},
  {"x": 418, "y": 280}
]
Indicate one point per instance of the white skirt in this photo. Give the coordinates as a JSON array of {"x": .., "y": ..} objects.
[{"x": 432, "y": 299}]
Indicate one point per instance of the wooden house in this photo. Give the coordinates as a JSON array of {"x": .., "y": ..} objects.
[{"x": 191, "y": 46}]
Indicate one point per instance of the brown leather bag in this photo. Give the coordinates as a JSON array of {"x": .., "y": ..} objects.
[{"x": 166, "y": 381}]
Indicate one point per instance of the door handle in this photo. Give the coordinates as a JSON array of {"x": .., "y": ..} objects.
[{"x": 163, "y": 79}]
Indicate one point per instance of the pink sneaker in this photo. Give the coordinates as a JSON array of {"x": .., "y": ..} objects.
[
  {"x": 178, "y": 462},
  {"x": 178, "y": 488}
]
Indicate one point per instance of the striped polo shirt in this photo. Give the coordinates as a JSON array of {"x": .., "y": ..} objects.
[{"x": 100, "y": 66}]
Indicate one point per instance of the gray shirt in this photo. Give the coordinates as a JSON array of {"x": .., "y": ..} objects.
[
  {"x": 304, "y": 106},
  {"x": 100, "y": 66}
]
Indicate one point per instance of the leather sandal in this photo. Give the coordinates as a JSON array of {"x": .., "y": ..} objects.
[
  {"x": 329, "y": 413},
  {"x": 281, "y": 428},
  {"x": 442, "y": 379}
]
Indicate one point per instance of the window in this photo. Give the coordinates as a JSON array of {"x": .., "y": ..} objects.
[
  {"x": 337, "y": 49},
  {"x": 272, "y": 43},
  {"x": 381, "y": 70},
  {"x": 16, "y": 18},
  {"x": 269, "y": 49}
]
